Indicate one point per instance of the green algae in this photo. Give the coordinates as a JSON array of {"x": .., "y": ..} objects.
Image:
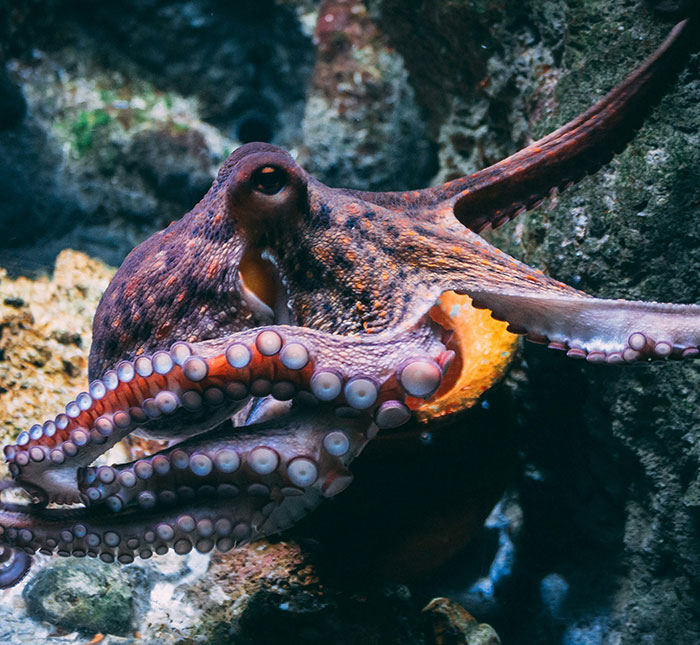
[{"x": 86, "y": 125}]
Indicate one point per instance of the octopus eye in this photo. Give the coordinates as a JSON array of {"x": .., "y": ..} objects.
[{"x": 269, "y": 180}]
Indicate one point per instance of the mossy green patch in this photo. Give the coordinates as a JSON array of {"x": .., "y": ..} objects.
[
  {"x": 84, "y": 596},
  {"x": 86, "y": 125}
]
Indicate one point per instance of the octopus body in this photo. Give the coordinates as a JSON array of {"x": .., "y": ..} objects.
[{"x": 277, "y": 327}]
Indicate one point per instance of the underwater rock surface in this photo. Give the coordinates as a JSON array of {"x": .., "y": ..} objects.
[
  {"x": 45, "y": 334},
  {"x": 83, "y": 595},
  {"x": 103, "y": 144}
]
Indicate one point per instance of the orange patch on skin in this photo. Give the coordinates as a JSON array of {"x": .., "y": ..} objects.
[
  {"x": 131, "y": 288},
  {"x": 163, "y": 330},
  {"x": 484, "y": 351},
  {"x": 212, "y": 269}
]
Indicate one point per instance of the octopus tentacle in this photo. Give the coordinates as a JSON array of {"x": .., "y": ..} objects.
[
  {"x": 193, "y": 388},
  {"x": 14, "y": 566},
  {"x": 14, "y": 563},
  {"x": 254, "y": 483},
  {"x": 498, "y": 193},
  {"x": 611, "y": 331},
  {"x": 123, "y": 537},
  {"x": 288, "y": 455},
  {"x": 552, "y": 312}
]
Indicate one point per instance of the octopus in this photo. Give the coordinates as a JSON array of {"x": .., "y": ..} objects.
[{"x": 280, "y": 325}]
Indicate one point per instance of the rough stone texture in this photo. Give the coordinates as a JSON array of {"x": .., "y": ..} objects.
[
  {"x": 45, "y": 333},
  {"x": 87, "y": 596},
  {"x": 362, "y": 121},
  {"x": 482, "y": 71},
  {"x": 618, "y": 449},
  {"x": 453, "y": 625},
  {"x": 274, "y": 594}
]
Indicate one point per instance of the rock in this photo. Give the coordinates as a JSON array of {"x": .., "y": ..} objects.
[
  {"x": 362, "y": 122},
  {"x": 609, "y": 482},
  {"x": 129, "y": 113},
  {"x": 45, "y": 331},
  {"x": 87, "y": 596},
  {"x": 452, "y": 625},
  {"x": 617, "y": 448}
]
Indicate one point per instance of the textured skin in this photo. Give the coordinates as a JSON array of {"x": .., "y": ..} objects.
[{"x": 348, "y": 280}]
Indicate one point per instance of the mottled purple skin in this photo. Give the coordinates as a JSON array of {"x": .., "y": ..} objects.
[
  {"x": 360, "y": 273},
  {"x": 181, "y": 283},
  {"x": 341, "y": 252}
]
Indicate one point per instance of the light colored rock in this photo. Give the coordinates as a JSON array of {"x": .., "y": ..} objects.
[{"x": 45, "y": 334}]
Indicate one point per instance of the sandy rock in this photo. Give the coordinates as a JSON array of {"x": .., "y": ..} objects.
[{"x": 45, "y": 334}]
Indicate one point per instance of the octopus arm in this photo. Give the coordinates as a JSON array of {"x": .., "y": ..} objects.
[
  {"x": 498, "y": 193},
  {"x": 177, "y": 393},
  {"x": 552, "y": 312},
  {"x": 611, "y": 331},
  {"x": 218, "y": 490}
]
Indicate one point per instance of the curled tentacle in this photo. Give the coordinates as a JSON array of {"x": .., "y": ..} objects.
[
  {"x": 14, "y": 565},
  {"x": 192, "y": 388},
  {"x": 14, "y": 562},
  {"x": 290, "y": 455},
  {"x": 253, "y": 483}
]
